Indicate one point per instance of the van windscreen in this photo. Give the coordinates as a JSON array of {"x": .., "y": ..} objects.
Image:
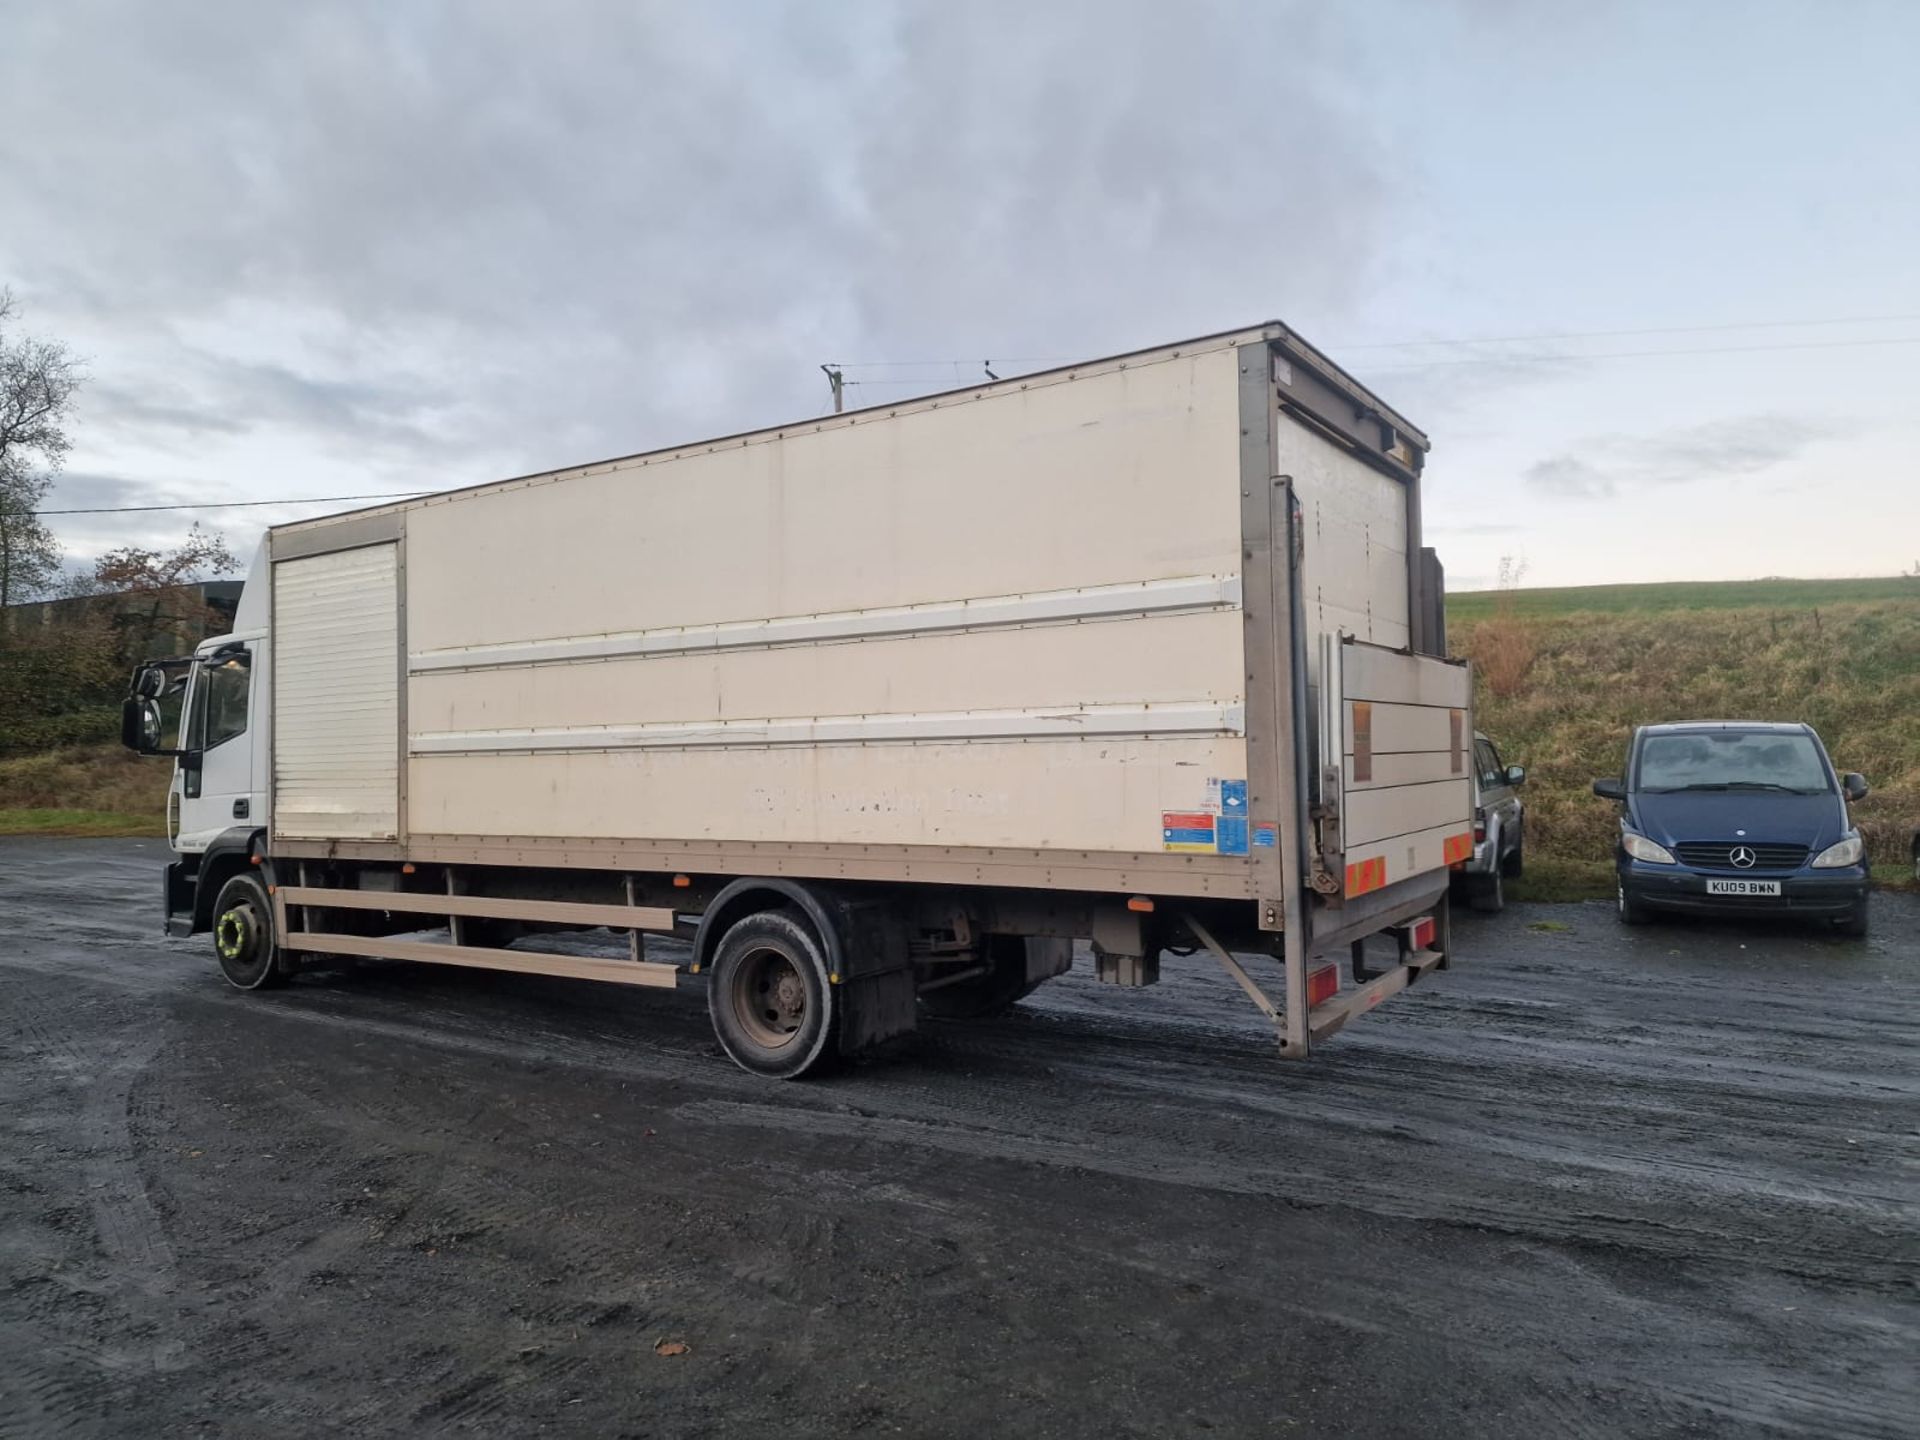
[{"x": 1731, "y": 760}]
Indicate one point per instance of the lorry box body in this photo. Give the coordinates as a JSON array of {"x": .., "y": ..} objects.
[{"x": 1144, "y": 632}]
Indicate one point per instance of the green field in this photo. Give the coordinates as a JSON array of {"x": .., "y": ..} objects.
[
  {"x": 1683, "y": 595},
  {"x": 1563, "y": 676}
]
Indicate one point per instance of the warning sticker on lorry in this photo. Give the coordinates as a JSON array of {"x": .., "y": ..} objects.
[
  {"x": 1192, "y": 831},
  {"x": 1218, "y": 827}
]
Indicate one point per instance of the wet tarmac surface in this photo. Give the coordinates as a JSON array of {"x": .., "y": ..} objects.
[{"x": 1592, "y": 1181}]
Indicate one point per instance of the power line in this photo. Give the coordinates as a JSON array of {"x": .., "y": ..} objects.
[
  {"x": 237, "y": 504},
  {"x": 1576, "y": 356},
  {"x": 1625, "y": 334},
  {"x": 1641, "y": 354},
  {"x": 1463, "y": 340}
]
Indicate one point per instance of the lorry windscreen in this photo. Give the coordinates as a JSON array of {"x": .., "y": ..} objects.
[{"x": 1731, "y": 760}]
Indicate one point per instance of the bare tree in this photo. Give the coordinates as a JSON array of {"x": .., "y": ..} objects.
[
  {"x": 149, "y": 595},
  {"x": 38, "y": 379}
]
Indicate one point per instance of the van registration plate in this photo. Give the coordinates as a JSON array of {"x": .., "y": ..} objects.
[{"x": 1743, "y": 887}]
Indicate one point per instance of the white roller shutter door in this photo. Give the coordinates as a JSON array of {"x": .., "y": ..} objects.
[{"x": 336, "y": 732}]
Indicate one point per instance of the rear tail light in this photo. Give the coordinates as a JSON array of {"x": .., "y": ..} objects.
[
  {"x": 1323, "y": 984},
  {"x": 1479, "y": 828}
]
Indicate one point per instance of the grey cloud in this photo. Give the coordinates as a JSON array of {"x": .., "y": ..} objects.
[
  {"x": 1454, "y": 378},
  {"x": 1571, "y": 476},
  {"x": 1602, "y": 466},
  {"x": 154, "y": 414},
  {"x": 511, "y": 236}
]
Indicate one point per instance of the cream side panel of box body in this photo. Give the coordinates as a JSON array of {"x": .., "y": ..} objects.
[
  {"x": 1012, "y": 621},
  {"x": 1066, "y": 795},
  {"x": 1111, "y": 479},
  {"x": 1153, "y": 660}
]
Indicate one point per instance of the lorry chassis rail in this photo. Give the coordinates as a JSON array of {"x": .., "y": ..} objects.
[{"x": 297, "y": 901}]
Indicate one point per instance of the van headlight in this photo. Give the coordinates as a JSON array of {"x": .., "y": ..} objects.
[
  {"x": 1847, "y": 852},
  {"x": 1641, "y": 848}
]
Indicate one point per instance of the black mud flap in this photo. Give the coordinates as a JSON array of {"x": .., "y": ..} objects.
[
  {"x": 876, "y": 978},
  {"x": 179, "y": 896}
]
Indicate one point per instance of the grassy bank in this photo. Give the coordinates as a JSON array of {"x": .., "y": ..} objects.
[
  {"x": 1760, "y": 595},
  {"x": 68, "y": 824},
  {"x": 83, "y": 790},
  {"x": 1563, "y": 676}
]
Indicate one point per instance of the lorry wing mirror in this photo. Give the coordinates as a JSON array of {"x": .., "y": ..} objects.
[
  {"x": 139, "y": 725},
  {"x": 142, "y": 727},
  {"x": 1855, "y": 784},
  {"x": 1516, "y": 774},
  {"x": 1610, "y": 789}
]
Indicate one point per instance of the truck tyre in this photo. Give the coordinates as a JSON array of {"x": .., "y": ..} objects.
[
  {"x": 773, "y": 1008},
  {"x": 243, "y": 937},
  {"x": 1488, "y": 893},
  {"x": 1002, "y": 986},
  {"x": 1631, "y": 911}
]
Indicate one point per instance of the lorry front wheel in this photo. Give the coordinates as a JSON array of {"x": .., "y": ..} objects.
[
  {"x": 243, "y": 935},
  {"x": 770, "y": 998}
]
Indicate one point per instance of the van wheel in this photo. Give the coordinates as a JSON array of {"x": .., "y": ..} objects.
[
  {"x": 1002, "y": 985},
  {"x": 1488, "y": 893},
  {"x": 1632, "y": 912},
  {"x": 243, "y": 936},
  {"x": 1514, "y": 864},
  {"x": 1854, "y": 925},
  {"x": 769, "y": 997}
]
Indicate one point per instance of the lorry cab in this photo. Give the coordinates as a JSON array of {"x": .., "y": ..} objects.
[{"x": 208, "y": 711}]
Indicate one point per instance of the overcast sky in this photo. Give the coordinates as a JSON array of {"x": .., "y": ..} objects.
[{"x": 353, "y": 248}]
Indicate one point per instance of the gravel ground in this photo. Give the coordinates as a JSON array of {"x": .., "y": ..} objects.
[{"x": 1590, "y": 1182}]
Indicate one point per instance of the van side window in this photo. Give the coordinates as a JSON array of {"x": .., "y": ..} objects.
[
  {"x": 224, "y": 699},
  {"x": 1488, "y": 760}
]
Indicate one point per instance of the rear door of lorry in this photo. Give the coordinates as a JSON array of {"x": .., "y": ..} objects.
[{"x": 1404, "y": 766}]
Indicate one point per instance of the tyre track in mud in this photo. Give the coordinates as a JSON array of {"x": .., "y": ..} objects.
[{"x": 1586, "y": 1183}]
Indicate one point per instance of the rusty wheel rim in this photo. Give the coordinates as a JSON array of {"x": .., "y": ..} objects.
[{"x": 769, "y": 998}]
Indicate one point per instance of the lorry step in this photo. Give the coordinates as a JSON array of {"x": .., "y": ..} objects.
[
  {"x": 559, "y": 912},
  {"x": 528, "y": 962}
]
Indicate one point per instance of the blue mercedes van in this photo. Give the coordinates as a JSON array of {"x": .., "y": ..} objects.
[{"x": 1737, "y": 817}]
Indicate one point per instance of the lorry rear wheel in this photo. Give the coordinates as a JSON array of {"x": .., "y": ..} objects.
[
  {"x": 243, "y": 935},
  {"x": 772, "y": 1006},
  {"x": 1003, "y": 983}
]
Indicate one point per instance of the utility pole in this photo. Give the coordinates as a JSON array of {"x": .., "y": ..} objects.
[{"x": 833, "y": 379}]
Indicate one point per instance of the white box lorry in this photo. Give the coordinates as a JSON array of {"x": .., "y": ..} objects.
[{"x": 881, "y": 712}]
